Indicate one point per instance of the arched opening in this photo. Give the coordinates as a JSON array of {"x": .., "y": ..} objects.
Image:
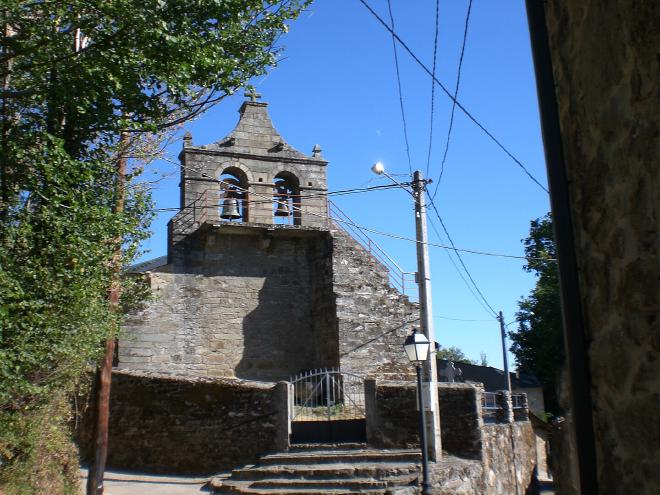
[
  {"x": 286, "y": 199},
  {"x": 234, "y": 195}
]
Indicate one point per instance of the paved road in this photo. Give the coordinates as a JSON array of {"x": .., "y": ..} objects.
[{"x": 118, "y": 483}]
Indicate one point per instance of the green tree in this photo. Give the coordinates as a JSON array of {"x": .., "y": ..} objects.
[
  {"x": 453, "y": 354},
  {"x": 76, "y": 77},
  {"x": 538, "y": 342}
]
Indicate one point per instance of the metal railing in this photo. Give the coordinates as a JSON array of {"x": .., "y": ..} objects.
[
  {"x": 494, "y": 410},
  {"x": 327, "y": 394},
  {"x": 489, "y": 406},
  {"x": 517, "y": 401},
  {"x": 401, "y": 280}
]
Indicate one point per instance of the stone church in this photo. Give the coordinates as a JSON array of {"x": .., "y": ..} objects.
[
  {"x": 272, "y": 345},
  {"x": 275, "y": 287}
]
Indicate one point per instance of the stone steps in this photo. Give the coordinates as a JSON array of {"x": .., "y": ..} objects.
[
  {"x": 324, "y": 470},
  {"x": 338, "y": 470}
]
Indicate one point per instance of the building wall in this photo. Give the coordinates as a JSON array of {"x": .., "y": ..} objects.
[
  {"x": 264, "y": 304},
  {"x": 257, "y": 153},
  {"x": 606, "y": 73},
  {"x": 237, "y": 304},
  {"x": 373, "y": 318}
]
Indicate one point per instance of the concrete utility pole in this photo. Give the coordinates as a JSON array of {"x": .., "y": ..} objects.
[
  {"x": 426, "y": 318},
  {"x": 507, "y": 376}
]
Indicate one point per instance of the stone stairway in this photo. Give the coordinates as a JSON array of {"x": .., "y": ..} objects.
[{"x": 328, "y": 470}]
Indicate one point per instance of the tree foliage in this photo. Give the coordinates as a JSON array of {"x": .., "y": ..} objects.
[
  {"x": 76, "y": 77},
  {"x": 453, "y": 354},
  {"x": 538, "y": 342}
]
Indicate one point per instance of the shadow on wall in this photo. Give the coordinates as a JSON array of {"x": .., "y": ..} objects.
[{"x": 279, "y": 334}]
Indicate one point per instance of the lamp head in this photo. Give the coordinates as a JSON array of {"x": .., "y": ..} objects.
[
  {"x": 378, "y": 168},
  {"x": 417, "y": 347}
]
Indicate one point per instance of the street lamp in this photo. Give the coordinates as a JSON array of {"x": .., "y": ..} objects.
[{"x": 417, "y": 348}]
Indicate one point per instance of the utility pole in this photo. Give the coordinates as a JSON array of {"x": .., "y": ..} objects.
[
  {"x": 507, "y": 379},
  {"x": 104, "y": 373},
  {"x": 426, "y": 318}
]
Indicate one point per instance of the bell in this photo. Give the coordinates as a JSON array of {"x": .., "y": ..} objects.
[
  {"x": 282, "y": 209},
  {"x": 230, "y": 209}
]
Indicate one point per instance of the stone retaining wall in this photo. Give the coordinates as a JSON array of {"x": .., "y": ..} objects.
[
  {"x": 167, "y": 424},
  {"x": 508, "y": 449},
  {"x": 392, "y": 417},
  {"x": 479, "y": 458}
]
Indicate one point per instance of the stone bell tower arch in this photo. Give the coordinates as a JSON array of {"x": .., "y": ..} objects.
[{"x": 256, "y": 160}]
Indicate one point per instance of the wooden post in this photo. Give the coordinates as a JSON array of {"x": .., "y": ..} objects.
[{"x": 104, "y": 373}]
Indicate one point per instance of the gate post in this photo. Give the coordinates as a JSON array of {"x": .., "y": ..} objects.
[
  {"x": 371, "y": 412},
  {"x": 282, "y": 401}
]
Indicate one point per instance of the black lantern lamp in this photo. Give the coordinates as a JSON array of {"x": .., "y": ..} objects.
[{"x": 417, "y": 348}]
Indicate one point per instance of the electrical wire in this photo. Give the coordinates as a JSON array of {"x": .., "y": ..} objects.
[
  {"x": 343, "y": 192},
  {"x": 367, "y": 229},
  {"x": 398, "y": 80},
  {"x": 453, "y": 105},
  {"x": 458, "y": 104},
  {"x": 460, "y": 272},
  {"x": 460, "y": 259},
  {"x": 435, "y": 52},
  {"x": 461, "y": 319}
]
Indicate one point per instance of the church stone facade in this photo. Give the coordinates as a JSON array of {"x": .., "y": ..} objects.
[
  {"x": 258, "y": 286},
  {"x": 263, "y": 296}
]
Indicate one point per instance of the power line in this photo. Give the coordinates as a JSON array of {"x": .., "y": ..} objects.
[
  {"x": 461, "y": 319},
  {"x": 435, "y": 52},
  {"x": 398, "y": 80},
  {"x": 460, "y": 259},
  {"x": 368, "y": 229},
  {"x": 343, "y": 192},
  {"x": 460, "y": 272},
  {"x": 453, "y": 105},
  {"x": 458, "y": 104}
]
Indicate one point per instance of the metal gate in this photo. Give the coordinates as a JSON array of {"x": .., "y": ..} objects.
[{"x": 328, "y": 406}]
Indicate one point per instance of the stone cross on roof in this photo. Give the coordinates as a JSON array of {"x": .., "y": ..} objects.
[{"x": 252, "y": 94}]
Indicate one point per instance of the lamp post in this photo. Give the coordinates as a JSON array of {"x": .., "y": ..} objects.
[
  {"x": 425, "y": 307},
  {"x": 417, "y": 347}
]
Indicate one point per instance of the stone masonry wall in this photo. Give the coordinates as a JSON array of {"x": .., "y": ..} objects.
[
  {"x": 264, "y": 304},
  {"x": 392, "y": 417},
  {"x": 233, "y": 304},
  {"x": 606, "y": 76},
  {"x": 508, "y": 449},
  {"x": 189, "y": 425},
  {"x": 479, "y": 458},
  {"x": 460, "y": 419},
  {"x": 373, "y": 318},
  {"x": 256, "y": 153},
  {"x": 391, "y": 412}
]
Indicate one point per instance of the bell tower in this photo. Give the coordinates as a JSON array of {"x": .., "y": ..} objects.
[{"x": 252, "y": 177}]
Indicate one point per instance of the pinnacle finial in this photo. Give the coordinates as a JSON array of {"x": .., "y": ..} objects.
[
  {"x": 187, "y": 139},
  {"x": 316, "y": 151}
]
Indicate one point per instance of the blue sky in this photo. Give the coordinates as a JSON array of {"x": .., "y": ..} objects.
[{"x": 336, "y": 86}]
